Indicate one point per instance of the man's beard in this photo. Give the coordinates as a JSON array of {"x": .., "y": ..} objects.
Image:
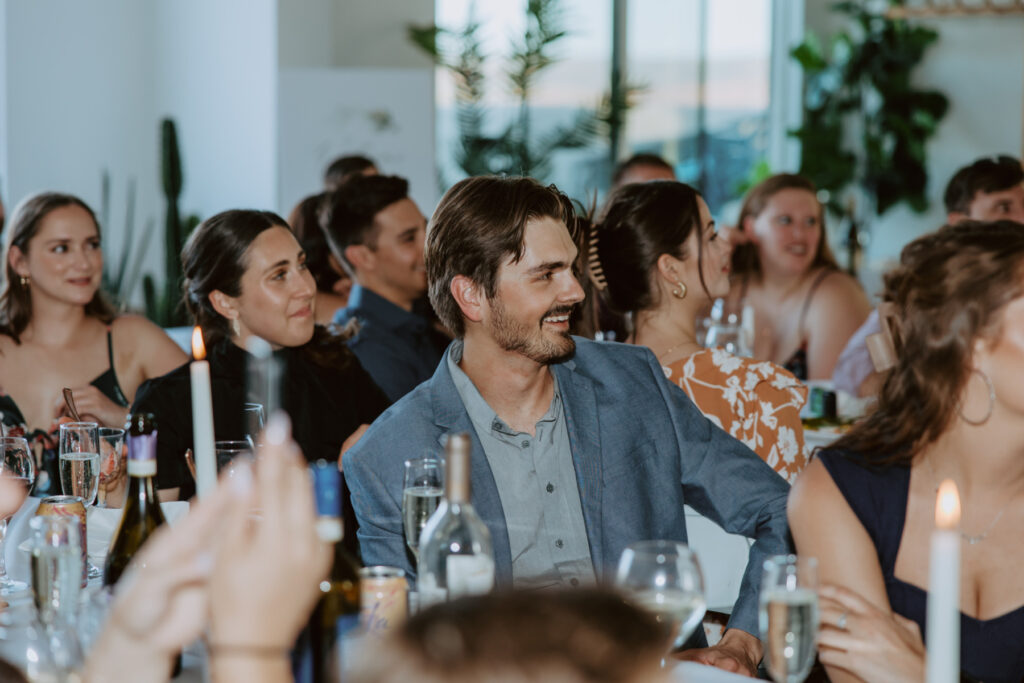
[{"x": 513, "y": 335}]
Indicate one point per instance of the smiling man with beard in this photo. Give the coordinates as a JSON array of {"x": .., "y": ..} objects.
[{"x": 578, "y": 448}]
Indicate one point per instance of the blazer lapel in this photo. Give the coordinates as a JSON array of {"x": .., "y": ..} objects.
[
  {"x": 450, "y": 416},
  {"x": 580, "y": 406}
]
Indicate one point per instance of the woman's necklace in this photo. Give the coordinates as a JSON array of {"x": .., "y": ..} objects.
[{"x": 971, "y": 538}]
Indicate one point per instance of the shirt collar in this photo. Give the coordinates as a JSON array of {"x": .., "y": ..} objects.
[
  {"x": 480, "y": 412},
  {"x": 363, "y": 302}
]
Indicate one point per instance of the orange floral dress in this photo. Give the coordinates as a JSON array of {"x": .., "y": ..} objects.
[{"x": 757, "y": 402}]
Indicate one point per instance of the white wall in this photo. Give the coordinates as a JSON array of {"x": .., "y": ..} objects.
[
  {"x": 78, "y": 93},
  {"x": 217, "y": 78}
]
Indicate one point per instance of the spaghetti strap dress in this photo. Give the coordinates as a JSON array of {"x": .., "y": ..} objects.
[{"x": 797, "y": 363}]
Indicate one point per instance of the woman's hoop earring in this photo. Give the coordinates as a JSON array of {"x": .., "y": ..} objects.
[
  {"x": 991, "y": 401},
  {"x": 680, "y": 291}
]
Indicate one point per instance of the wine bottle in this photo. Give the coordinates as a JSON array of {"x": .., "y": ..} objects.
[
  {"x": 337, "y": 613},
  {"x": 142, "y": 514},
  {"x": 456, "y": 557}
]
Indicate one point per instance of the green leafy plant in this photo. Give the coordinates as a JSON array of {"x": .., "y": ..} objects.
[
  {"x": 163, "y": 302},
  {"x": 516, "y": 148},
  {"x": 864, "y": 122}
]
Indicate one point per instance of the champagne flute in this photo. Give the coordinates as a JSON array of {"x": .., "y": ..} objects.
[
  {"x": 788, "y": 616},
  {"x": 80, "y": 460},
  {"x": 254, "y": 419},
  {"x": 664, "y": 578},
  {"x": 80, "y": 466},
  {"x": 421, "y": 494},
  {"x": 16, "y": 463},
  {"x": 56, "y": 544}
]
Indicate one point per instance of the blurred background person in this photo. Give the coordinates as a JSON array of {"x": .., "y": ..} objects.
[
  {"x": 663, "y": 262},
  {"x": 805, "y": 308},
  {"x": 57, "y": 330},
  {"x": 988, "y": 189},
  {"x": 346, "y": 167},
  {"x": 378, "y": 233},
  {"x": 951, "y": 408},
  {"x": 641, "y": 168},
  {"x": 580, "y": 636},
  {"x": 333, "y": 284}
]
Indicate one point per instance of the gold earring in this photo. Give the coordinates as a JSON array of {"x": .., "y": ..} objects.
[
  {"x": 680, "y": 291},
  {"x": 24, "y": 281}
]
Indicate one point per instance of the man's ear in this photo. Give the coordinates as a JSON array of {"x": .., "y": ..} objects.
[
  {"x": 225, "y": 305},
  {"x": 469, "y": 296},
  {"x": 16, "y": 259},
  {"x": 361, "y": 257}
]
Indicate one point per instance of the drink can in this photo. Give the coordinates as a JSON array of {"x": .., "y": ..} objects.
[
  {"x": 384, "y": 598},
  {"x": 69, "y": 506}
]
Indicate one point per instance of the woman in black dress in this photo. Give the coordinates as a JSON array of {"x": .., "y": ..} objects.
[{"x": 246, "y": 275}]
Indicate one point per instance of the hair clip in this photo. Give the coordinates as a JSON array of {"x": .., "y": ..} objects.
[{"x": 594, "y": 269}]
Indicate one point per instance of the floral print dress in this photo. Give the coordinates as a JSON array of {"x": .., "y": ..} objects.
[{"x": 756, "y": 402}]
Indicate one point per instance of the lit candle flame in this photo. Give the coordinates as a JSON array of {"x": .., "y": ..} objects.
[
  {"x": 198, "y": 347},
  {"x": 947, "y": 506}
]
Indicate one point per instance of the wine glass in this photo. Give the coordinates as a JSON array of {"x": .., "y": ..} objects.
[
  {"x": 664, "y": 578},
  {"x": 80, "y": 467},
  {"x": 788, "y": 616},
  {"x": 111, "y": 441},
  {"x": 80, "y": 460},
  {"x": 17, "y": 463},
  {"x": 56, "y": 546},
  {"x": 230, "y": 453},
  {"x": 421, "y": 494},
  {"x": 255, "y": 418}
]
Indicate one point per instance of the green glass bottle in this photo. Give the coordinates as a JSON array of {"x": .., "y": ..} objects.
[{"x": 142, "y": 514}]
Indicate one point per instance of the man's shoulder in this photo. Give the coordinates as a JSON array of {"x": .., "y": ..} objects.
[
  {"x": 600, "y": 358},
  {"x": 408, "y": 423}
]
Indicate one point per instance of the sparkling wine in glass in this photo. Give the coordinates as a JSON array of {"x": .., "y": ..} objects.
[
  {"x": 664, "y": 578},
  {"x": 421, "y": 494},
  {"x": 18, "y": 463},
  {"x": 56, "y": 545},
  {"x": 788, "y": 616},
  {"x": 80, "y": 460}
]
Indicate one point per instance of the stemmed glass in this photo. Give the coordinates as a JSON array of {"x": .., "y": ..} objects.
[
  {"x": 230, "y": 453},
  {"x": 17, "y": 463},
  {"x": 254, "y": 419},
  {"x": 421, "y": 494},
  {"x": 788, "y": 616},
  {"x": 80, "y": 466},
  {"x": 111, "y": 441},
  {"x": 664, "y": 578},
  {"x": 80, "y": 460}
]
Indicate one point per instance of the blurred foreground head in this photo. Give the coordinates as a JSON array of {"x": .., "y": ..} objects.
[{"x": 583, "y": 636}]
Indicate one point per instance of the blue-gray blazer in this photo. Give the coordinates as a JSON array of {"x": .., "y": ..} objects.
[{"x": 641, "y": 450}]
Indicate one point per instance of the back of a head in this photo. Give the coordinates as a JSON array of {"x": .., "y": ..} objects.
[
  {"x": 640, "y": 223},
  {"x": 948, "y": 291},
  {"x": 347, "y": 167},
  {"x": 988, "y": 174},
  {"x": 585, "y": 636},
  {"x": 305, "y": 223},
  {"x": 480, "y": 223},
  {"x": 623, "y": 171},
  {"x": 347, "y": 216}
]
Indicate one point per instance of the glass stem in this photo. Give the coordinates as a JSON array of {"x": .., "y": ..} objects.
[{"x": 3, "y": 550}]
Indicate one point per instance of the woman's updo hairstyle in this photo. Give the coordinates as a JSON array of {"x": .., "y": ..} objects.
[
  {"x": 214, "y": 259},
  {"x": 950, "y": 289},
  {"x": 640, "y": 223}
]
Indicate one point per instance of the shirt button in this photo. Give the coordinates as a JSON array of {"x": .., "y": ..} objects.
[
  {"x": 558, "y": 543},
  {"x": 526, "y": 444},
  {"x": 550, "y": 487},
  {"x": 496, "y": 425},
  {"x": 574, "y": 582}
]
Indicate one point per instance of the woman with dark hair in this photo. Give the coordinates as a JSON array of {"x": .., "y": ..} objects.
[
  {"x": 656, "y": 255},
  {"x": 805, "y": 308},
  {"x": 333, "y": 284},
  {"x": 57, "y": 330},
  {"x": 246, "y": 275},
  {"x": 951, "y": 408}
]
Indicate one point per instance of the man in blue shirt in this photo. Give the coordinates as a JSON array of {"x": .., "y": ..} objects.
[{"x": 377, "y": 232}]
